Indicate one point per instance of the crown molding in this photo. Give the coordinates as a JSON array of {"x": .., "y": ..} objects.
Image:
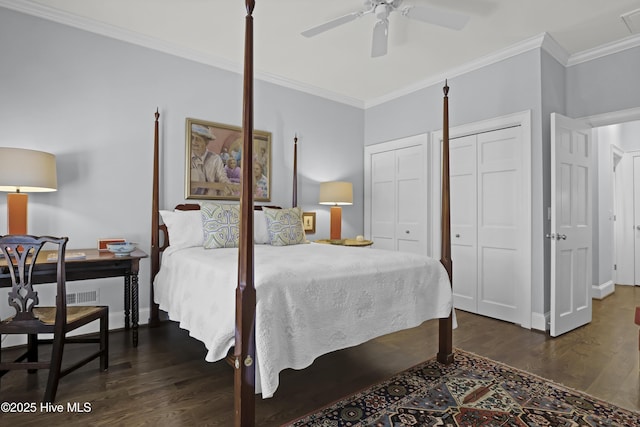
[
  {"x": 604, "y": 50},
  {"x": 612, "y": 118},
  {"x": 553, "y": 48},
  {"x": 310, "y": 89},
  {"x": 51, "y": 14}
]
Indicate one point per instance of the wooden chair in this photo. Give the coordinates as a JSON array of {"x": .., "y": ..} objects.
[{"x": 20, "y": 253}]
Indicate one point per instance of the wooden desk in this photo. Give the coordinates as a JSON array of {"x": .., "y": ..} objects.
[{"x": 96, "y": 265}]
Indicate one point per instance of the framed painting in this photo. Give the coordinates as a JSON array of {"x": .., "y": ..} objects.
[
  {"x": 309, "y": 222},
  {"x": 213, "y": 162}
]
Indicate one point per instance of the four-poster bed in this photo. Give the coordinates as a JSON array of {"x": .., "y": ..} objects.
[{"x": 272, "y": 328}]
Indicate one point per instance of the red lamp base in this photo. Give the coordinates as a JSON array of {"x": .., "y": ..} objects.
[
  {"x": 336, "y": 223},
  {"x": 17, "y": 213}
]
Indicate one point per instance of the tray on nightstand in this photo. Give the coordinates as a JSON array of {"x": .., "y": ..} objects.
[{"x": 346, "y": 242}]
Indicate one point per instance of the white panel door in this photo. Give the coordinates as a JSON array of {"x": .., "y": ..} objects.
[
  {"x": 396, "y": 217},
  {"x": 464, "y": 249},
  {"x": 500, "y": 220},
  {"x": 571, "y": 224},
  {"x": 636, "y": 218},
  {"x": 383, "y": 199},
  {"x": 410, "y": 197},
  {"x": 486, "y": 219}
]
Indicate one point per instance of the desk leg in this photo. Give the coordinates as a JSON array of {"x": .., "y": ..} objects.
[
  {"x": 134, "y": 307},
  {"x": 127, "y": 300}
]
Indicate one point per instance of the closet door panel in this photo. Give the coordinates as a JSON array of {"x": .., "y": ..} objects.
[
  {"x": 396, "y": 194},
  {"x": 410, "y": 212},
  {"x": 464, "y": 249},
  {"x": 383, "y": 200},
  {"x": 498, "y": 165}
]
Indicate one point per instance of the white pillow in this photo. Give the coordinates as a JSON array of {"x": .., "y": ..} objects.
[
  {"x": 260, "y": 231},
  {"x": 184, "y": 228}
]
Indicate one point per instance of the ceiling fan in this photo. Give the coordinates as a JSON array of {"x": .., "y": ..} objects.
[{"x": 382, "y": 9}]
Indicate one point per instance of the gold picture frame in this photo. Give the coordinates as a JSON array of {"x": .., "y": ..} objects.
[
  {"x": 309, "y": 222},
  {"x": 213, "y": 161}
]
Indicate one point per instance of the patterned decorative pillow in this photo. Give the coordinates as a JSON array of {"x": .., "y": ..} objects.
[
  {"x": 285, "y": 226},
  {"x": 220, "y": 225}
]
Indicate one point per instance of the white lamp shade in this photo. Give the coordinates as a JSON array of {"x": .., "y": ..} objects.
[
  {"x": 336, "y": 193},
  {"x": 27, "y": 171}
]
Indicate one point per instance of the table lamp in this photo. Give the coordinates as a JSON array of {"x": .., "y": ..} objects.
[
  {"x": 24, "y": 171},
  {"x": 336, "y": 193}
]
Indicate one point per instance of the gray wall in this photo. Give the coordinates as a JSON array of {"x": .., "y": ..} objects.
[
  {"x": 604, "y": 85},
  {"x": 90, "y": 100}
]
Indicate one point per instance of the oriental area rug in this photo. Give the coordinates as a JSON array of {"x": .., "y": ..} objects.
[{"x": 472, "y": 391}]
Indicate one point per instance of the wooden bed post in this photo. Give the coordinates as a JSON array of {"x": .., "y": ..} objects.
[
  {"x": 245, "y": 348},
  {"x": 445, "y": 334},
  {"x": 154, "y": 317},
  {"x": 294, "y": 201}
]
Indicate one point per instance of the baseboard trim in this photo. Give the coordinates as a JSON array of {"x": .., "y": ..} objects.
[
  {"x": 602, "y": 290},
  {"x": 540, "y": 321}
]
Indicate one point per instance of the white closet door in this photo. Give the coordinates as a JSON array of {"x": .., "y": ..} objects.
[
  {"x": 396, "y": 193},
  {"x": 499, "y": 223},
  {"x": 410, "y": 196},
  {"x": 383, "y": 189},
  {"x": 464, "y": 249},
  {"x": 486, "y": 219}
]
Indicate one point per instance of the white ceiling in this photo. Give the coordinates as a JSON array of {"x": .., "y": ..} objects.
[{"x": 337, "y": 63}]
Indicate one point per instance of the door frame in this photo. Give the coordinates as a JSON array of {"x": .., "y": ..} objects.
[
  {"x": 522, "y": 119},
  {"x": 616, "y": 153},
  {"x": 419, "y": 140}
]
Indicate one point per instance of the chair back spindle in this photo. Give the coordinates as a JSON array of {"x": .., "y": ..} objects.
[{"x": 21, "y": 253}]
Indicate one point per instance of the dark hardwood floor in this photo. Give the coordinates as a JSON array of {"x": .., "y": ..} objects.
[{"x": 166, "y": 382}]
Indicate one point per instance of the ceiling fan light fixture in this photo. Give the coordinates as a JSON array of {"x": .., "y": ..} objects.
[
  {"x": 382, "y": 9},
  {"x": 382, "y": 12}
]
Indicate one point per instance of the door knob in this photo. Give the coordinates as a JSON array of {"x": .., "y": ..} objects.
[
  {"x": 457, "y": 235},
  {"x": 554, "y": 236},
  {"x": 638, "y": 227}
]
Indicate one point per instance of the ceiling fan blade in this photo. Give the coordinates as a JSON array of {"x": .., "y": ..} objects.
[
  {"x": 380, "y": 38},
  {"x": 314, "y": 31},
  {"x": 436, "y": 16}
]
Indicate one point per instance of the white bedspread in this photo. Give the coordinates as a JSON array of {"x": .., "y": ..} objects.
[{"x": 311, "y": 299}]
